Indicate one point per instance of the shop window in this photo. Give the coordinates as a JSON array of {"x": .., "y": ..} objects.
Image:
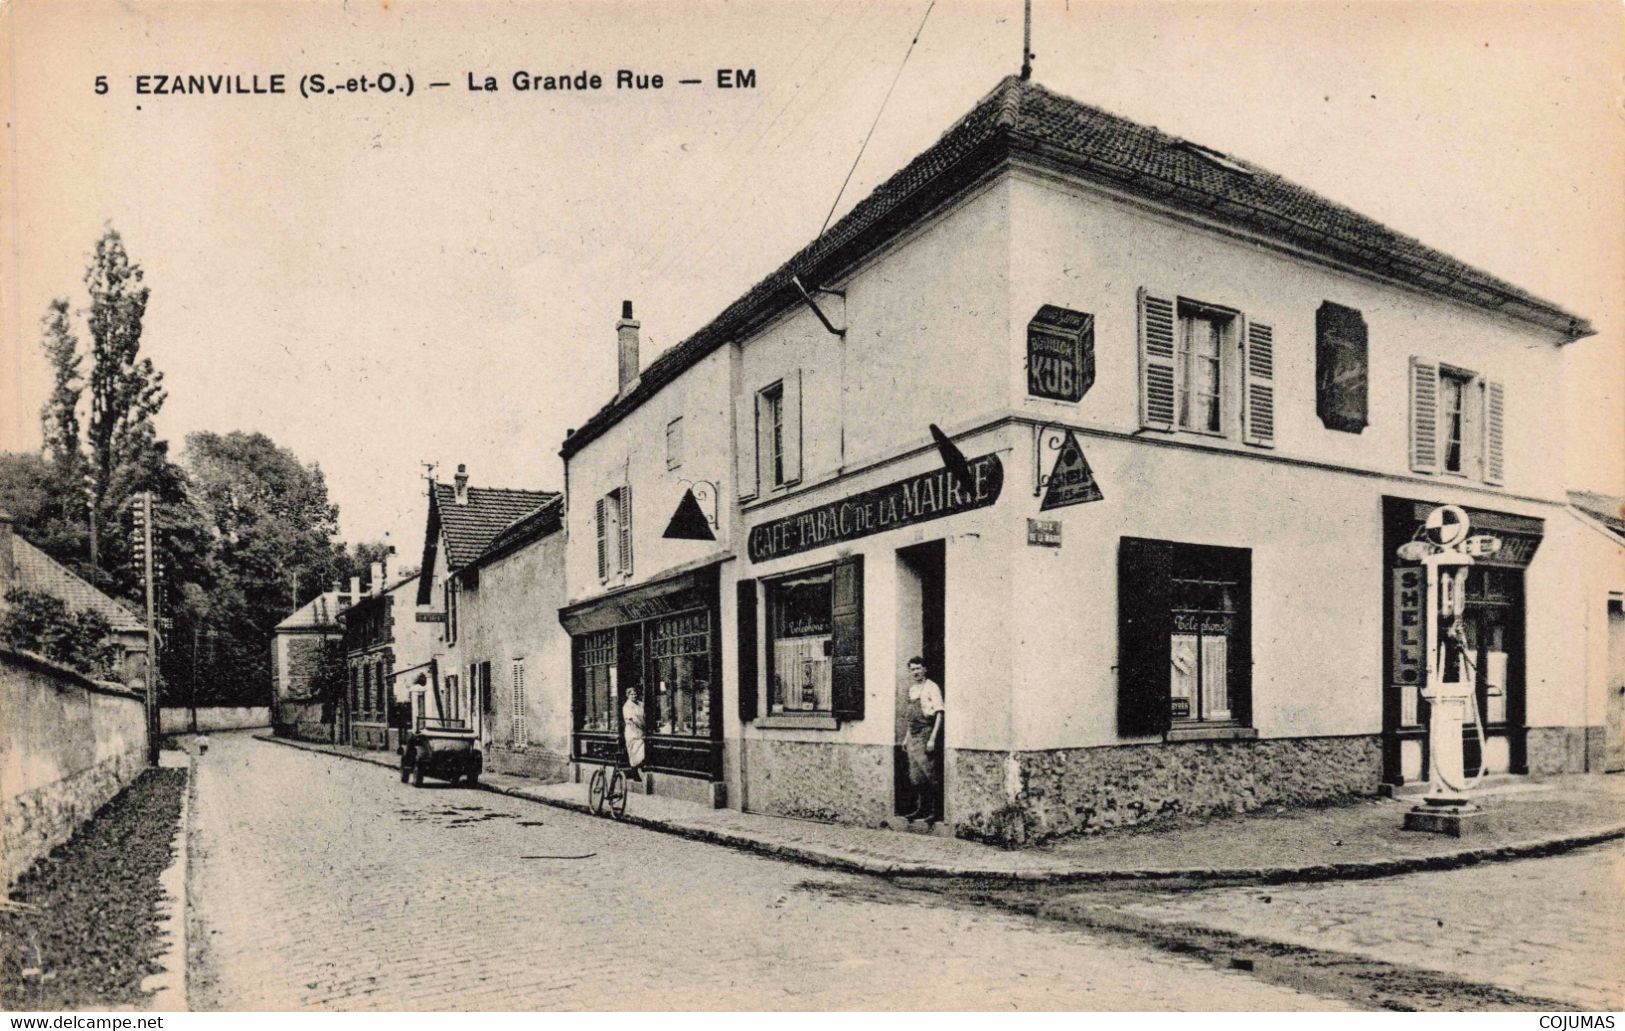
[
  {"x": 680, "y": 702},
  {"x": 595, "y": 670},
  {"x": 1457, "y": 422},
  {"x": 802, "y": 643},
  {"x": 815, "y": 642},
  {"x": 1184, "y": 636}
]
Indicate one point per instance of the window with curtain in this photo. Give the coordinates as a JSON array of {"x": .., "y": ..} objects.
[{"x": 801, "y": 642}]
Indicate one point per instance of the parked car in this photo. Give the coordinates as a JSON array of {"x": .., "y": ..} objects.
[{"x": 444, "y": 749}]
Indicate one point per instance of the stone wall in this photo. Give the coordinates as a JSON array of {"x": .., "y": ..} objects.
[
  {"x": 304, "y": 658},
  {"x": 818, "y": 781},
  {"x": 1553, "y": 750},
  {"x": 1074, "y": 790},
  {"x": 534, "y": 761},
  {"x": 178, "y": 719},
  {"x": 67, "y": 746}
]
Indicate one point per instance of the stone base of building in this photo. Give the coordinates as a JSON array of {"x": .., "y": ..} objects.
[
  {"x": 533, "y": 762},
  {"x": 369, "y": 735},
  {"x": 812, "y": 780},
  {"x": 1077, "y": 790},
  {"x": 1553, "y": 750}
]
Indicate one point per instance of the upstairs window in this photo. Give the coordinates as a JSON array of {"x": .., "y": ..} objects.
[
  {"x": 613, "y": 519},
  {"x": 773, "y": 413},
  {"x": 674, "y": 443},
  {"x": 1205, "y": 369},
  {"x": 1458, "y": 421},
  {"x": 770, "y": 445}
]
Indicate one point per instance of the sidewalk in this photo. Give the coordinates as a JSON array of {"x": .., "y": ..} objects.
[{"x": 1358, "y": 839}]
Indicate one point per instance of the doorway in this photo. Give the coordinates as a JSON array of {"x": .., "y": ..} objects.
[
  {"x": 921, "y": 582},
  {"x": 1614, "y": 760}
]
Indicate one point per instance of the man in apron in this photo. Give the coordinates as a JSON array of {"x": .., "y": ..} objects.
[{"x": 924, "y": 739}]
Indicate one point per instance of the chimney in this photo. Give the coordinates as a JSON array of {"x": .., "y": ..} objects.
[
  {"x": 461, "y": 479},
  {"x": 626, "y": 333},
  {"x": 8, "y": 559},
  {"x": 377, "y": 579}
]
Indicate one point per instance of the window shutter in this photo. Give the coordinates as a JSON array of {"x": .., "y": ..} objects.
[
  {"x": 1258, "y": 386},
  {"x": 1143, "y": 642},
  {"x": 487, "y": 702},
  {"x": 601, "y": 513},
  {"x": 747, "y": 649},
  {"x": 846, "y": 619},
  {"x": 520, "y": 738},
  {"x": 1494, "y": 432},
  {"x": 626, "y": 529},
  {"x": 1424, "y": 416},
  {"x": 1240, "y": 567},
  {"x": 1157, "y": 325},
  {"x": 791, "y": 406},
  {"x": 745, "y": 448}
]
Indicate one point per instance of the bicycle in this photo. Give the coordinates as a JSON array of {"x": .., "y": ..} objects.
[{"x": 607, "y": 792}]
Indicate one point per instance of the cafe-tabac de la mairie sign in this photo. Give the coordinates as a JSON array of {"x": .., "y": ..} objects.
[{"x": 916, "y": 499}]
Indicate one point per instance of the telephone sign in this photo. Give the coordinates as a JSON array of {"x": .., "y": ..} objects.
[{"x": 1060, "y": 353}]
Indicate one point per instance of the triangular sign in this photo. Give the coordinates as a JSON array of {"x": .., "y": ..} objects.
[
  {"x": 688, "y": 523},
  {"x": 1071, "y": 482}
]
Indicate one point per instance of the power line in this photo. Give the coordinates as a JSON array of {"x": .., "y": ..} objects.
[{"x": 876, "y": 122}]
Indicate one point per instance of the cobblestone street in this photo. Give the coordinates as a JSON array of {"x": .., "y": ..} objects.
[
  {"x": 323, "y": 883},
  {"x": 1551, "y": 927}
]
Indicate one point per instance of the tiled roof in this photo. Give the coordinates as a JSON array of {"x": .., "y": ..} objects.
[
  {"x": 541, "y": 523},
  {"x": 320, "y": 613},
  {"x": 470, "y": 528},
  {"x": 1606, "y": 509},
  {"x": 37, "y": 571},
  {"x": 1024, "y": 119}
]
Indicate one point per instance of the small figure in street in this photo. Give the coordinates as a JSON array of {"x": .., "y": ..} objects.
[
  {"x": 632, "y": 730},
  {"x": 925, "y": 718}
]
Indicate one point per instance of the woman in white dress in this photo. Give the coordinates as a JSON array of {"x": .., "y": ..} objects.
[{"x": 632, "y": 730}]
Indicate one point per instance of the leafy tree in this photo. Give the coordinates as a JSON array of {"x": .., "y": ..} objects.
[
  {"x": 43, "y": 624},
  {"x": 60, "y": 417}
]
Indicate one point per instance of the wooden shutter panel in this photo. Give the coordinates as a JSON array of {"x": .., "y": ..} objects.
[
  {"x": 1424, "y": 416},
  {"x": 746, "y": 617},
  {"x": 520, "y": 737},
  {"x": 1143, "y": 641},
  {"x": 487, "y": 700},
  {"x": 1239, "y": 563},
  {"x": 745, "y": 447},
  {"x": 1494, "y": 432},
  {"x": 601, "y": 514},
  {"x": 1157, "y": 326},
  {"x": 846, "y": 618},
  {"x": 1258, "y": 386},
  {"x": 626, "y": 529},
  {"x": 790, "y": 407}
]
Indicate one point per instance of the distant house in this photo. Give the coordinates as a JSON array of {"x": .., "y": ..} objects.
[
  {"x": 27, "y": 568},
  {"x": 388, "y": 638},
  {"x": 296, "y": 655}
]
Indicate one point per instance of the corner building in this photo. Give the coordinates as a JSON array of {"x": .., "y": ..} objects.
[{"x": 1198, "y": 408}]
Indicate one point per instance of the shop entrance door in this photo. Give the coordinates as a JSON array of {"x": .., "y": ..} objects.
[
  {"x": 1614, "y": 761},
  {"x": 1492, "y": 621},
  {"x": 921, "y": 582}
]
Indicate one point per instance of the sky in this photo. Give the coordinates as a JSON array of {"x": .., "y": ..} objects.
[{"x": 377, "y": 280}]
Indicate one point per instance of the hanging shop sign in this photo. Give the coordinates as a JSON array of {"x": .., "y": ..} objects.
[
  {"x": 1060, "y": 353},
  {"x": 1071, "y": 482},
  {"x": 1044, "y": 533},
  {"x": 431, "y": 617},
  {"x": 917, "y": 499},
  {"x": 689, "y": 521}
]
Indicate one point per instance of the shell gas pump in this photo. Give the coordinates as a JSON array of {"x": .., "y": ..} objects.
[{"x": 1446, "y": 550}]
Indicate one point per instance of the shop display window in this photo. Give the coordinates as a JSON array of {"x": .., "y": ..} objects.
[
  {"x": 597, "y": 667},
  {"x": 801, "y": 642},
  {"x": 680, "y": 702}
]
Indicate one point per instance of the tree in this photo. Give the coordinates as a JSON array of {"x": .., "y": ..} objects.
[{"x": 60, "y": 417}]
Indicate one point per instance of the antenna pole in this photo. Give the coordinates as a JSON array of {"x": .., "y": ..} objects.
[{"x": 1027, "y": 40}]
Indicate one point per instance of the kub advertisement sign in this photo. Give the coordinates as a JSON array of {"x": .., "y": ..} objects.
[
  {"x": 1060, "y": 353},
  {"x": 1071, "y": 482}
]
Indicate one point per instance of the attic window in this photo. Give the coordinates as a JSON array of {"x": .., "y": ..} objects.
[{"x": 1213, "y": 156}]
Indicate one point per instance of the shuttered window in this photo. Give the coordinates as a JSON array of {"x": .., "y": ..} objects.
[
  {"x": 1457, "y": 422},
  {"x": 624, "y": 510},
  {"x": 1258, "y": 386},
  {"x": 746, "y": 618},
  {"x": 518, "y": 701},
  {"x": 601, "y": 519}
]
